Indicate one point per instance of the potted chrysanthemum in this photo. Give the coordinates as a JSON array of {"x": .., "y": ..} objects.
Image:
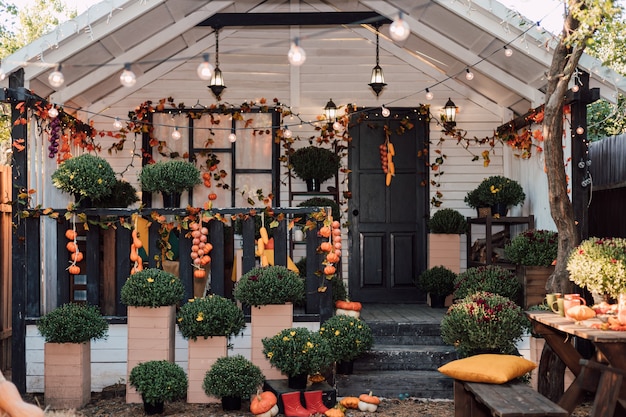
[
  {"x": 158, "y": 382},
  {"x": 491, "y": 278},
  {"x": 231, "y": 379},
  {"x": 348, "y": 337},
  {"x": 88, "y": 177},
  {"x": 170, "y": 178}
]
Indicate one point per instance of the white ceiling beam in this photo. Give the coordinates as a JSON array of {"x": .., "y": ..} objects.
[
  {"x": 47, "y": 45},
  {"x": 458, "y": 52},
  {"x": 142, "y": 49}
]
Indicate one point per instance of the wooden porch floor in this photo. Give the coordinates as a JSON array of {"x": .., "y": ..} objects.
[{"x": 402, "y": 313}]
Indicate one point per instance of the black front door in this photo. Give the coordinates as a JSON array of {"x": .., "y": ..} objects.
[{"x": 388, "y": 223}]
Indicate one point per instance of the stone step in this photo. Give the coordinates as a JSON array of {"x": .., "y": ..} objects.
[
  {"x": 386, "y": 333},
  {"x": 405, "y": 358},
  {"x": 396, "y": 384}
]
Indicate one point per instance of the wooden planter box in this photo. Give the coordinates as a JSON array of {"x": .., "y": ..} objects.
[
  {"x": 266, "y": 321},
  {"x": 150, "y": 337},
  {"x": 67, "y": 375},
  {"x": 534, "y": 279},
  {"x": 444, "y": 250},
  {"x": 202, "y": 354}
]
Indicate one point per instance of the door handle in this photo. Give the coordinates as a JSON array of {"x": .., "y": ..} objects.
[{"x": 355, "y": 212}]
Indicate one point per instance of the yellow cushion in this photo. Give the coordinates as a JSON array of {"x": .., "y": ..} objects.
[{"x": 490, "y": 368}]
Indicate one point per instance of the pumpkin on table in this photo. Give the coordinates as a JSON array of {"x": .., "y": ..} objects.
[
  {"x": 348, "y": 308},
  {"x": 264, "y": 404},
  {"x": 368, "y": 402},
  {"x": 580, "y": 313}
]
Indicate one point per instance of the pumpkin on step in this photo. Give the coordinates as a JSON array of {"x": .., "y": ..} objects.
[
  {"x": 335, "y": 412},
  {"x": 348, "y": 308},
  {"x": 350, "y": 402},
  {"x": 12, "y": 404},
  {"x": 368, "y": 402},
  {"x": 264, "y": 404}
]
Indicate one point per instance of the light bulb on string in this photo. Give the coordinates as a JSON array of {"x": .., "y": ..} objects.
[
  {"x": 580, "y": 130},
  {"x": 296, "y": 54},
  {"x": 176, "y": 135},
  {"x": 205, "y": 69},
  {"x": 538, "y": 27},
  {"x": 575, "y": 88},
  {"x": 287, "y": 133},
  {"x": 232, "y": 137},
  {"x": 399, "y": 29},
  {"x": 128, "y": 78},
  {"x": 507, "y": 51},
  {"x": 384, "y": 111},
  {"x": 337, "y": 126},
  {"x": 53, "y": 112},
  {"x": 3, "y": 75},
  {"x": 469, "y": 75},
  {"x": 429, "y": 95},
  {"x": 117, "y": 123},
  {"x": 56, "y": 78}
]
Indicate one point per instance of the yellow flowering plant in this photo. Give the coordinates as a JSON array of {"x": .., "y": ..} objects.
[
  {"x": 297, "y": 351},
  {"x": 210, "y": 316},
  {"x": 85, "y": 175},
  {"x": 152, "y": 287},
  {"x": 347, "y": 336}
]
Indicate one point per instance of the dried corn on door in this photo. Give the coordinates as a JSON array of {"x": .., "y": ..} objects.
[{"x": 389, "y": 206}]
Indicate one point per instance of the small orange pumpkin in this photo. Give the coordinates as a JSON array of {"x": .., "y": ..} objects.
[
  {"x": 348, "y": 305},
  {"x": 212, "y": 196},
  {"x": 71, "y": 234},
  {"x": 71, "y": 246},
  {"x": 264, "y": 404},
  {"x": 332, "y": 257},
  {"x": 74, "y": 269},
  {"x": 76, "y": 256},
  {"x": 350, "y": 402},
  {"x": 199, "y": 273},
  {"x": 334, "y": 412},
  {"x": 368, "y": 402},
  {"x": 325, "y": 231},
  {"x": 326, "y": 247},
  {"x": 329, "y": 270}
]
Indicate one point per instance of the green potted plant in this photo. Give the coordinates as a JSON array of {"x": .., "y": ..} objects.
[
  {"x": 87, "y": 177},
  {"x": 170, "y": 178},
  {"x": 68, "y": 331},
  {"x": 158, "y": 382},
  {"x": 231, "y": 379},
  {"x": 444, "y": 240},
  {"x": 297, "y": 352},
  {"x": 314, "y": 165},
  {"x": 534, "y": 252},
  {"x": 322, "y": 202},
  {"x": 152, "y": 287},
  {"x": 348, "y": 338},
  {"x": 123, "y": 194},
  {"x": 497, "y": 192},
  {"x": 490, "y": 278},
  {"x": 210, "y": 316},
  {"x": 269, "y": 285},
  {"x": 438, "y": 282},
  {"x": 484, "y": 323}
]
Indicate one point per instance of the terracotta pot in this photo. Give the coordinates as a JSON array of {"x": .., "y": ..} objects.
[
  {"x": 202, "y": 354},
  {"x": 266, "y": 321},
  {"x": 67, "y": 375},
  {"x": 150, "y": 337}
]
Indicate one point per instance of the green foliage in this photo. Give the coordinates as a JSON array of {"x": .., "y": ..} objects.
[
  {"x": 336, "y": 282},
  {"x": 483, "y": 322},
  {"x": 490, "y": 278},
  {"x": 122, "y": 195},
  {"x": 297, "y": 351},
  {"x": 233, "y": 376},
  {"x": 269, "y": 285},
  {"x": 496, "y": 189},
  {"x": 348, "y": 337},
  {"x": 152, "y": 288},
  {"x": 159, "y": 381},
  {"x": 533, "y": 248},
  {"x": 437, "y": 280},
  {"x": 599, "y": 264},
  {"x": 73, "y": 323},
  {"x": 606, "y": 119},
  {"x": 210, "y": 316},
  {"x": 447, "y": 221},
  {"x": 169, "y": 176},
  {"x": 322, "y": 202},
  {"x": 85, "y": 175},
  {"x": 314, "y": 163}
]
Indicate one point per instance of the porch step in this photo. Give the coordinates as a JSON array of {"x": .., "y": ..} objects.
[
  {"x": 393, "y": 384},
  {"x": 405, "y": 358},
  {"x": 387, "y": 333}
]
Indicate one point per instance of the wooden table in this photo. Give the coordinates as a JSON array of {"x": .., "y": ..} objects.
[{"x": 611, "y": 350}]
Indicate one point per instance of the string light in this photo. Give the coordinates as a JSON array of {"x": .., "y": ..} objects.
[
  {"x": 296, "y": 54},
  {"x": 232, "y": 137},
  {"x": 384, "y": 111},
  {"x": 399, "y": 29},
  {"x": 538, "y": 27},
  {"x": 580, "y": 130},
  {"x": 53, "y": 112},
  {"x": 429, "y": 95},
  {"x": 287, "y": 133},
  {"x": 575, "y": 88},
  {"x": 3, "y": 75},
  {"x": 128, "y": 78},
  {"x": 176, "y": 135},
  {"x": 56, "y": 78},
  {"x": 469, "y": 75},
  {"x": 117, "y": 123},
  {"x": 205, "y": 69},
  {"x": 337, "y": 126},
  {"x": 507, "y": 51}
]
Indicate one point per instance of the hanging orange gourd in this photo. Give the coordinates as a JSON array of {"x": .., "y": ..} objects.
[{"x": 200, "y": 249}]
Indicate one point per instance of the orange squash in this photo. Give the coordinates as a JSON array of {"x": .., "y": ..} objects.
[
  {"x": 76, "y": 256},
  {"x": 368, "y": 402},
  {"x": 334, "y": 412},
  {"x": 11, "y": 402},
  {"x": 329, "y": 270},
  {"x": 326, "y": 247},
  {"x": 350, "y": 402},
  {"x": 199, "y": 273},
  {"x": 71, "y": 246},
  {"x": 325, "y": 231},
  {"x": 264, "y": 404},
  {"x": 348, "y": 305},
  {"x": 74, "y": 269},
  {"x": 71, "y": 234},
  {"x": 332, "y": 257}
]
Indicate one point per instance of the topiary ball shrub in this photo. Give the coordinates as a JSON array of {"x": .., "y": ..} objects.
[
  {"x": 437, "y": 280},
  {"x": 490, "y": 278},
  {"x": 447, "y": 221}
]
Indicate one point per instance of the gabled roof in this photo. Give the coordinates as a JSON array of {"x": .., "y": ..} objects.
[{"x": 164, "y": 43}]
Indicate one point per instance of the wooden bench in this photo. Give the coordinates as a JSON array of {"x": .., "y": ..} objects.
[{"x": 513, "y": 399}]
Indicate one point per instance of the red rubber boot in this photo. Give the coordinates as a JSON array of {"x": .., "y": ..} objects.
[
  {"x": 314, "y": 402},
  {"x": 292, "y": 405}
]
